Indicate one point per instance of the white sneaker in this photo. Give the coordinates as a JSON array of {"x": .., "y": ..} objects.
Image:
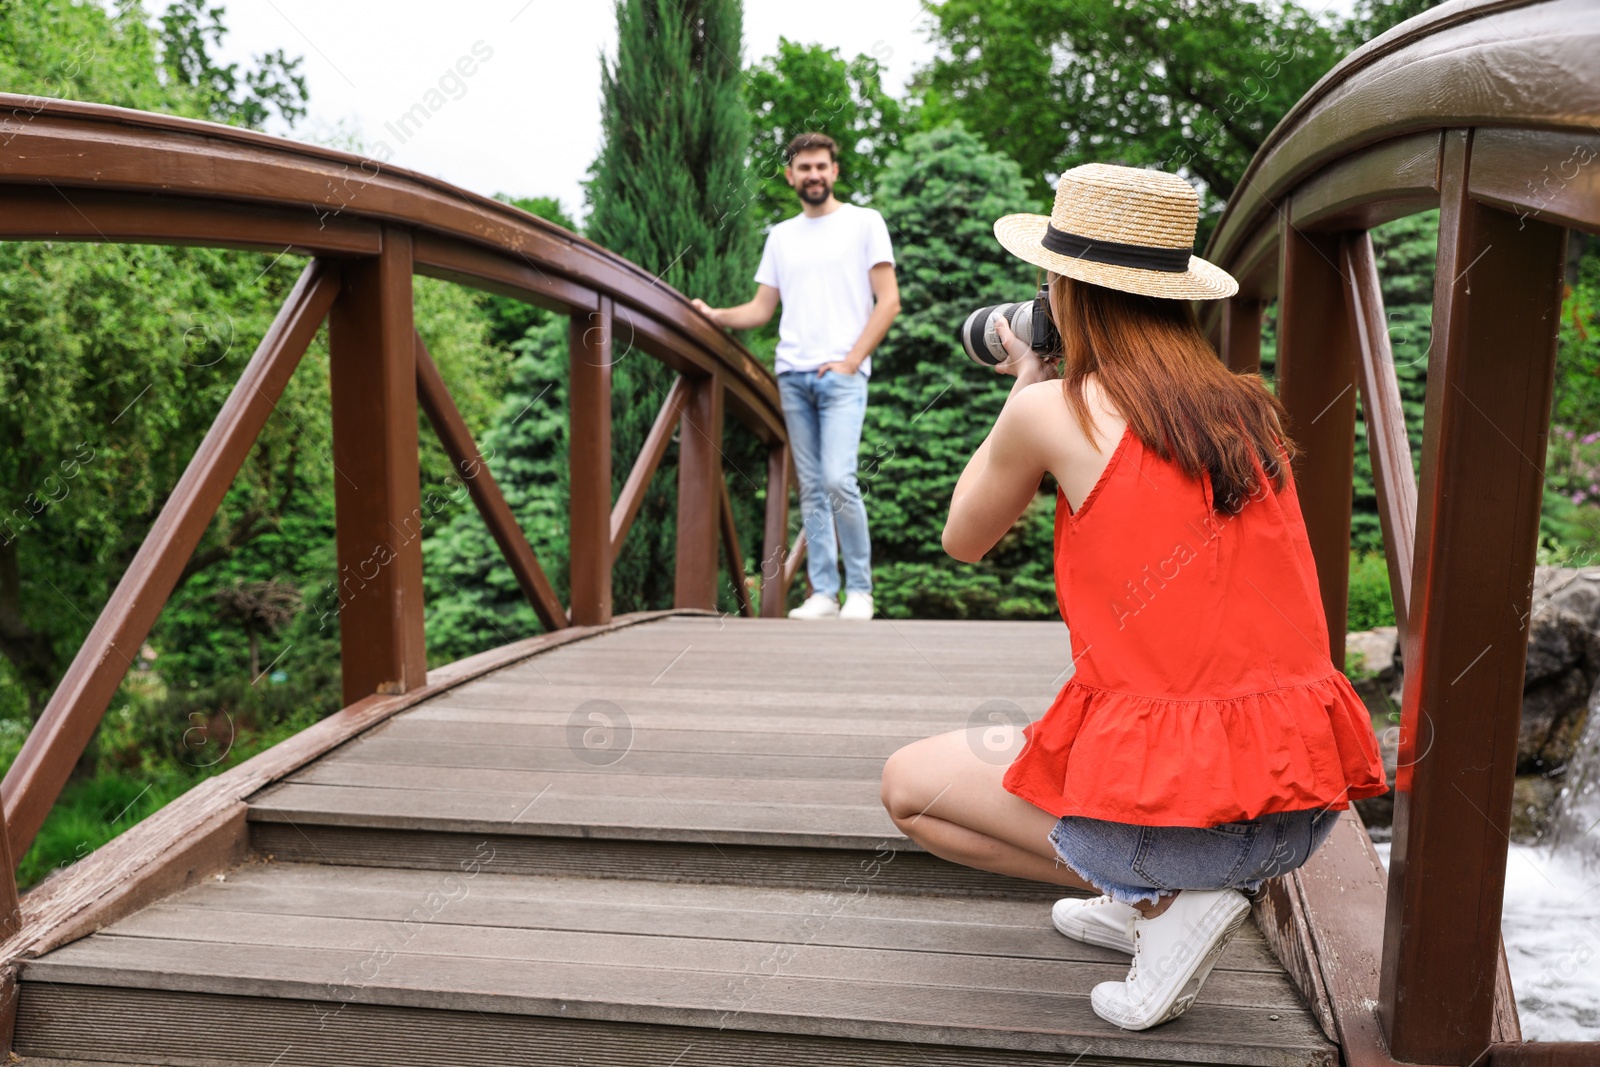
[
  {"x": 816, "y": 606},
  {"x": 856, "y": 606},
  {"x": 1173, "y": 956},
  {"x": 1096, "y": 921}
]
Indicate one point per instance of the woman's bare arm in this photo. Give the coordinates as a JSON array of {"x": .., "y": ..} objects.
[{"x": 1003, "y": 475}]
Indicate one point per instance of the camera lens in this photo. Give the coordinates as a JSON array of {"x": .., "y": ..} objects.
[{"x": 981, "y": 341}]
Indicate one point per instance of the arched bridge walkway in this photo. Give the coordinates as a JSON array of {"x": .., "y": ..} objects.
[{"x": 659, "y": 844}]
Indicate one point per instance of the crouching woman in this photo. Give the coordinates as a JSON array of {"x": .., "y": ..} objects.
[{"x": 1205, "y": 741}]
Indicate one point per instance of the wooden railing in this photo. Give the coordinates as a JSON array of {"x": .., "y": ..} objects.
[
  {"x": 92, "y": 173},
  {"x": 1491, "y": 113}
]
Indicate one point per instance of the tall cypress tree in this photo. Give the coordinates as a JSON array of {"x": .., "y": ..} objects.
[{"x": 670, "y": 191}]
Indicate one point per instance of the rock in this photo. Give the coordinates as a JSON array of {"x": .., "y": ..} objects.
[
  {"x": 1553, "y": 716},
  {"x": 1374, "y": 650},
  {"x": 1577, "y": 589},
  {"x": 1376, "y": 811},
  {"x": 1533, "y": 800},
  {"x": 1561, "y": 697},
  {"x": 1559, "y": 640}
]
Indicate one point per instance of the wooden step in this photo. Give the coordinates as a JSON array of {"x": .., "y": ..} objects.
[
  {"x": 306, "y": 963},
  {"x": 898, "y": 868}
]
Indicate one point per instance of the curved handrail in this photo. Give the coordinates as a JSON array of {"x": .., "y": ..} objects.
[
  {"x": 92, "y": 172},
  {"x": 206, "y": 183},
  {"x": 1515, "y": 64},
  {"x": 1489, "y": 111}
]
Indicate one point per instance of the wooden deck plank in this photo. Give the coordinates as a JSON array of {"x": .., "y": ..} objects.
[
  {"x": 803, "y": 702},
  {"x": 527, "y": 783},
  {"x": 649, "y": 818},
  {"x": 868, "y": 722},
  {"x": 977, "y": 1018},
  {"x": 264, "y": 1032},
  {"x": 694, "y": 764},
  {"x": 770, "y": 742},
  {"x": 738, "y": 913},
  {"x": 239, "y": 932}
]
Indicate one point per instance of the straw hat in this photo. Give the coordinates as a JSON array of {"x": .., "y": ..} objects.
[{"x": 1121, "y": 227}]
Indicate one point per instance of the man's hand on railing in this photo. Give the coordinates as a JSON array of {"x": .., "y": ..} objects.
[
  {"x": 714, "y": 314},
  {"x": 747, "y": 316}
]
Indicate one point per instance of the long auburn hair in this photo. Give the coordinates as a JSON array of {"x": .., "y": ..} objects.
[{"x": 1163, "y": 376}]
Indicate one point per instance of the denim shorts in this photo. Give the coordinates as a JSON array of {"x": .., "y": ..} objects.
[{"x": 1133, "y": 863}]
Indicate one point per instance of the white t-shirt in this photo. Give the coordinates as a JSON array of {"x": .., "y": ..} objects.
[{"x": 819, "y": 267}]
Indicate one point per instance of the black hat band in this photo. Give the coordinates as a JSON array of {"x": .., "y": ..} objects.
[{"x": 1144, "y": 257}]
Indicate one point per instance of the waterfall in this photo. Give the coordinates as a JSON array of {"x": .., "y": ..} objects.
[{"x": 1575, "y": 826}]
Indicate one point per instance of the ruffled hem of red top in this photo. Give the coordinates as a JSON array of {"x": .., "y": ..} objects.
[{"x": 1154, "y": 761}]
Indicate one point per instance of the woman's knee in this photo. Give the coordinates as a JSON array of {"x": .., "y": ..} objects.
[{"x": 898, "y": 786}]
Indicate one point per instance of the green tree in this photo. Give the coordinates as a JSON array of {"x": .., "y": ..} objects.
[
  {"x": 800, "y": 88},
  {"x": 189, "y": 31},
  {"x": 509, "y": 318},
  {"x": 1570, "y": 531},
  {"x": 931, "y": 407},
  {"x": 1404, "y": 251},
  {"x": 670, "y": 191},
  {"x": 1191, "y": 86},
  {"x": 474, "y": 602}
]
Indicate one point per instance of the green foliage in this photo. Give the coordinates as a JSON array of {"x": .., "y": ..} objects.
[
  {"x": 1370, "y": 604},
  {"x": 474, "y": 602},
  {"x": 189, "y": 30},
  {"x": 1570, "y": 526},
  {"x": 1191, "y": 86},
  {"x": 510, "y": 319},
  {"x": 114, "y": 360},
  {"x": 669, "y": 188},
  {"x": 669, "y": 191},
  {"x": 1404, "y": 253},
  {"x": 79, "y": 51},
  {"x": 802, "y": 88},
  {"x": 155, "y": 746},
  {"x": 930, "y": 407}
]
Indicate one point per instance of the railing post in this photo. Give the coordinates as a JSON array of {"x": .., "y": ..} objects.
[
  {"x": 589, "y": 458},
  {"x": 1241, "y": 334},
  {"x": 1497, "y": 298},
  {"x": 1316, "y": 378},
  {"x": 699, "y": 493},
  {"x": 10, "y": 905},
  {"x": 1388, "y": 443},
  {"x": 377, "y": 488},
  {"x": 774, "y": 549}
]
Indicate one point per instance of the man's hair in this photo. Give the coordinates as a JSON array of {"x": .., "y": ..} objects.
[{"x": 811, "y": 140}]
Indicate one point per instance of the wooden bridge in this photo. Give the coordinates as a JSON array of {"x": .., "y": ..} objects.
[{"x": 657, "y": 839}]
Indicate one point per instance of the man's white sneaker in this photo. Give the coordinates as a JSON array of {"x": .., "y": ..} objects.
[
  {"x": 1097, "y": 921},
  {"x": 856, "y": 606},
  {"x": 1173, "y": 956},
  {"x": 816, "y": 606}
]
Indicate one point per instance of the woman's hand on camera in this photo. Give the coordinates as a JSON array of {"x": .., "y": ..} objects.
[{"x": 1026, "y": 365}]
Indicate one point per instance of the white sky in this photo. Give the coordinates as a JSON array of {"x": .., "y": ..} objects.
[{"x": 527, "y": 122}]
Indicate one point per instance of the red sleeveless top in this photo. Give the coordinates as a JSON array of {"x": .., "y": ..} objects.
[{"x": 1203, "y": 691}]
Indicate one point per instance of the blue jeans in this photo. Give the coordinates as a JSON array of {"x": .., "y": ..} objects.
[
  {"x": 1139, "y": 863},
  {"x": 824, "y": 417}
]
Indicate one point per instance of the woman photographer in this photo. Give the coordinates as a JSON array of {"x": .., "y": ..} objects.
[{"x": 1205, "y": 741}]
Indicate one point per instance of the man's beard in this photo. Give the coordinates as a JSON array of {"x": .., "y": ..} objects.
[{"x": 814, "y": 190}]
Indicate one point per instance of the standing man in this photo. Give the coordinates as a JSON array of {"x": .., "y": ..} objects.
[{"x": 833, "y": 268}]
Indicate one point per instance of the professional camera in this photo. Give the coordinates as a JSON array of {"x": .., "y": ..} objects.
[{"x": 1029, "y": 320}]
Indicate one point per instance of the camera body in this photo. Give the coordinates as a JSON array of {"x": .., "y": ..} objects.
[{"x": 1029, "y": 320}]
